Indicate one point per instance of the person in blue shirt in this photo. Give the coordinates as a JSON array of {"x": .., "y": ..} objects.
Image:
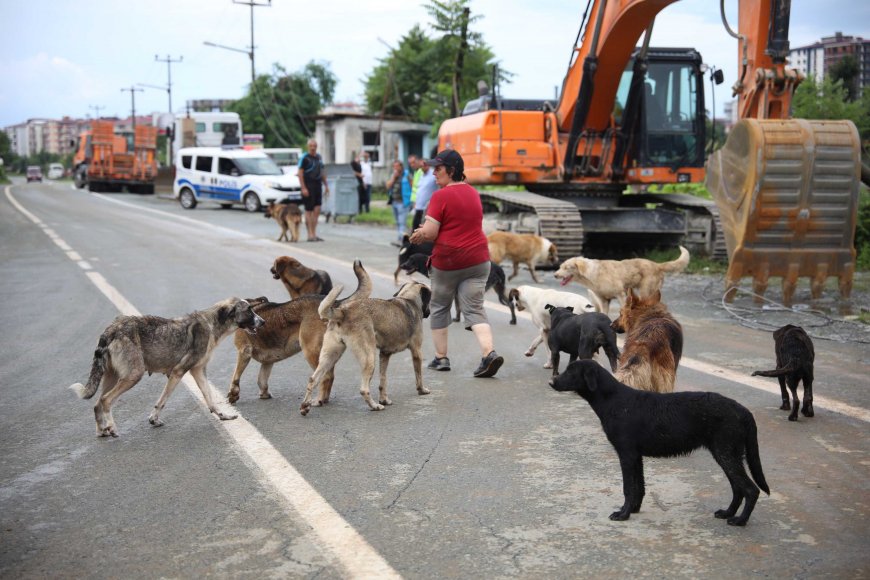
[
  {"x": 399, "y": 197},
  {"x": 425, "y": 188},
  {"x": 312, "y": 179}
]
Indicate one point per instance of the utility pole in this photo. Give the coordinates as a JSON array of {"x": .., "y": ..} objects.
[
  {"x": 96, "y": 108},
  {"x": 168, "y": 60},
  {"x": 133, "y": 91},
  {"x": 253, "y": 4}
]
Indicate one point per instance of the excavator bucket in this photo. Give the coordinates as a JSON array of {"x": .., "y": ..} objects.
[{"x": 787, "y": 193}]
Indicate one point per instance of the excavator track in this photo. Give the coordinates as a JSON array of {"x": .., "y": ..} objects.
[{"x": 559, "y": 221}]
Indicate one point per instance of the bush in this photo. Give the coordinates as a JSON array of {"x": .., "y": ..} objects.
[{"x": 862, "y": 231}]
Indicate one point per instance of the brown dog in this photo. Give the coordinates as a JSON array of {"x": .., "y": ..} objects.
[
  {"x": 288, "y": 216},
  {"x": 299, "y": 279},
  {"x": 290, "y": 328},
  {"x": 608, "y": 279},
  {"x": 372, "y": 326},
  {"x": 527, "y": 249},
  {"x": 653, "y": 346}
]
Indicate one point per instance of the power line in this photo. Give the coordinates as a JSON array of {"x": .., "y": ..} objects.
[
  {"x": 133, "y": 91},
  {"x": 169, "y": 60}
]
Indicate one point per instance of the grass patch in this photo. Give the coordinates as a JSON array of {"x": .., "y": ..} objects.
[{"x": 697, "y": 264}]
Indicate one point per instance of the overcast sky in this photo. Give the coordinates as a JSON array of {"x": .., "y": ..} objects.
[{"x": 61, "y": 57}]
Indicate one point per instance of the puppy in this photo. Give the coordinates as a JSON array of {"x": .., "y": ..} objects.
[
  {"x": 580, "y": 335},
  {"x": 653, "y": 346},
  {"x": 641, "y": 424},
  {"x": 535, "y": 300},
  {"x": 369, "y": 325},
  {"x": 609, "y": 279},
  {"x": 527, "y": 249},
  {"x": 409, "y": 249},
  {"x": 794, "y": 363},
  {"x": 290, "y": 328},
  {"x": 288, "y": 216},
  {"x": 133, "y": 345},
  {"x": 496, "y": 280},
  {"x": 299, "y": 279}
]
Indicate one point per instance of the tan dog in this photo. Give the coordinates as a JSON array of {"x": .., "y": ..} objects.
[
  {"x": 299, "y": 279},
  {"x": 609, "y": 279},
  {"x": 288, "y": 216},
  {"x": 367, "y": 326},
  {"x": 134, "y": 345},
  {"x": 527, "y": 249},
  {"x": 290, "y": 328},
  {"x": 653, "y": 347}
]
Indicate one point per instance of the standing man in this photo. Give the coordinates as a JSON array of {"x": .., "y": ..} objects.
[
  {"x": 399, "y": 196},
  {"x": 312, "y": 178},
  {"x": 414, "y": 175},
  {"x": 425, "y": 188},
  {"x": 366, "y": 166}
]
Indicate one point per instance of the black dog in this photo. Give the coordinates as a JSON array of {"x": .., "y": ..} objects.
[
  {"x": 407, "y": 250},
  {"x": 642, "y": 423},
  {"x": 417, "y": 263},
  {"x": 580, "y": 335},
  {"x": 794, "y": 363}
]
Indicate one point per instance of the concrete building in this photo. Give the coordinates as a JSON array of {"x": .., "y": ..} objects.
[
  {"x": 344, "y": 129},
  {"x": 815, "y": 60}
]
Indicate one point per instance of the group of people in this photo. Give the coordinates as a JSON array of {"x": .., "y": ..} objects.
[{"x": 448, "y": 212}]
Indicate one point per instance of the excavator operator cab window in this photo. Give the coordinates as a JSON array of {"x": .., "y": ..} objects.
[{"x": 673, "y": 128}]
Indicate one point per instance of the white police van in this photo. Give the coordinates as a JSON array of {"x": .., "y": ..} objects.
[{"x": 230, "y": 177}]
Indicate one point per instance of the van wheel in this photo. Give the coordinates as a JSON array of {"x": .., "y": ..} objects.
[
  {"x": 187, "y": 199},
  {"x": 252, "y": 202}
]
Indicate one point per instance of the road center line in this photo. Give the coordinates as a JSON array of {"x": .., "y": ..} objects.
[{"x": 347, "y": 546}]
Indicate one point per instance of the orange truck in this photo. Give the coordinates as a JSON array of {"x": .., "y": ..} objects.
[{"x": 110, "y": 161}]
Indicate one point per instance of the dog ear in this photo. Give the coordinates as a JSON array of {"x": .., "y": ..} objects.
[
  {"x": 657, "y": 297},
  {"x": 224, "y": 313},
  {"x": 590, "y": 375},
  {"x": 279, "y": 265},
  {"x": 513, "y": 294},
  {"x": 256, "y": 301},
  {"x": 549, "y": 308},
  {"x": 569, "y": 308}
]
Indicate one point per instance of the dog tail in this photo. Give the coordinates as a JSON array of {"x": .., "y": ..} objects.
[
  {"x": 98, "y": 368},
  {"x": 752, "y": 457},
  {"x": 363, "y": 286},
  {"x": 774, "y": 373},
  {"x": 328, "y": 309},
  {"x": 677, "y": 265}
]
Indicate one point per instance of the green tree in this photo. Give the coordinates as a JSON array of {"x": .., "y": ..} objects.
[
  {"x": 416, "y": 79},
  {"x": 282, "y": 105},
  {"x": 829, "y": 100},
  {"x": 848, "y": 71}
]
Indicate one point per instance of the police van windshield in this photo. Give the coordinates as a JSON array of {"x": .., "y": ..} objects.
[{"x": 258, "y": 166}]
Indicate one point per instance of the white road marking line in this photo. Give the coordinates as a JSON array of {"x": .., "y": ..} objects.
[
  {"x": 74, "y": 256},
  {"x": 347, "y": 546}
]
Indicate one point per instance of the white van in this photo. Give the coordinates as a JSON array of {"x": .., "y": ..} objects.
[
  {"x": 231, "y": 177},
  {"x": 286, "y": 158}
]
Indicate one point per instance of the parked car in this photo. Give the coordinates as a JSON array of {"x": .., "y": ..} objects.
[
  {"x": 55, "y": 171},
  {"x": 230, "y": 177},
  {"x": 286, "y": 158},
  {"x": 34, "y": 173}
]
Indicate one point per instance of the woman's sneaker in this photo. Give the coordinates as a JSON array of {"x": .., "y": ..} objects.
[
  {"x": 440, "y": 364},
  {"x": 489, "y": 365}
]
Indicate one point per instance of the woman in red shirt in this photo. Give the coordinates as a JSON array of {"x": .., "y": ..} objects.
[{"x": 459, "y": 263}]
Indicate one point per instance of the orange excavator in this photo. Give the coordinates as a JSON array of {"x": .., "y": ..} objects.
[{"x": 785, "y": 190}]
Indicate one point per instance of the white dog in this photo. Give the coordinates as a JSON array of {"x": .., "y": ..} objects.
[{"x": 535, "y": 300}]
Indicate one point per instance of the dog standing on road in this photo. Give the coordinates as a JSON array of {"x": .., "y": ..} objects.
[
  {"x": 580, "y": 335},
  {"x": 288, "y": 216},
  {"x": 535, "y": 300},
  {"x": 133, "y": 345},
  {"x": 290, "y": 327},
  {"x": 367, "y": 326},
  {"x": 794, "y": 363},
  {"x": 641, "y": 424},
  {"x": 527, "y": 249},
  {"x": 653, "y": 345},
  {"x": 609, "y": 279},
  {"x": 299, "y": 279},
  {"x": 496, "y": 281}
]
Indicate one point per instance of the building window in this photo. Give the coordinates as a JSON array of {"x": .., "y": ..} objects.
[{"x": 372, "y": 144}]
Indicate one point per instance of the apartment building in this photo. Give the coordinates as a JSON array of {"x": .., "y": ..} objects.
[
  {"x": 50, "y": 135},
  {"x": 815, "y": 60}
]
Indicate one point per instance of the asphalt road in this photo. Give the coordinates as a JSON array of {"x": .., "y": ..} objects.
[{"x": 494, "y": 478}]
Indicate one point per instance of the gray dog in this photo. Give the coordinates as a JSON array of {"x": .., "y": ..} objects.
[
  {"x": 368, "y": 326},
  {"x": 134, "y": 345}
]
